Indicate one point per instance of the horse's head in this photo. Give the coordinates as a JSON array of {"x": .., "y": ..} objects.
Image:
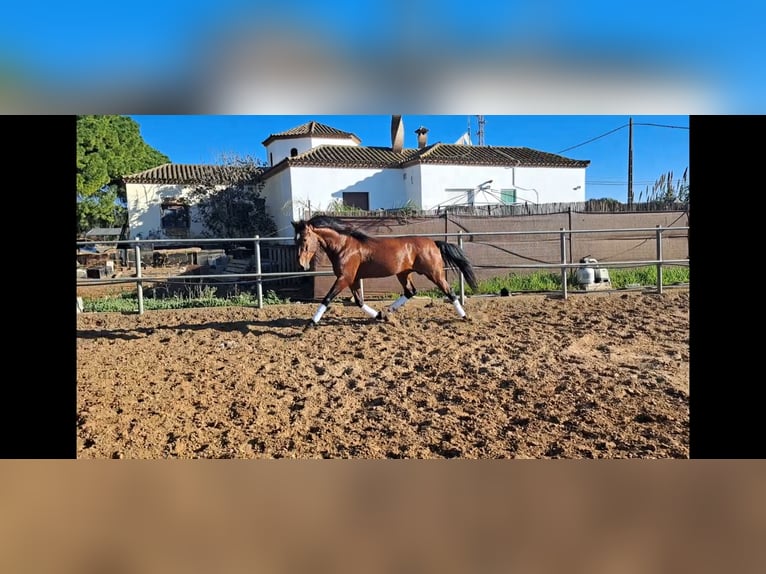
[{"x": 307, "y": 242}]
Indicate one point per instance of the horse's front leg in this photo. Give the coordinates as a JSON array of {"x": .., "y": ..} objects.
[
  {"x": 356, "y": 291},
  {"x": 340, "y": 284}
]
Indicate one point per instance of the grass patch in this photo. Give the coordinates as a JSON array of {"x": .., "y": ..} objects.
[
  {"x": 196, "y": 298},
  {"x": 542, "y": 281}
]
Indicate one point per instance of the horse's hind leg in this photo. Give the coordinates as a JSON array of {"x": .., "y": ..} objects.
[
  {"x": 440, "y": 281},
  {"x": 409, "y": 290},
  {"x": 356, "y": 291}
]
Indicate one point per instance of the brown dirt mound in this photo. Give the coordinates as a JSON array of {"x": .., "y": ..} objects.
[{"x": 599, "y": 375}]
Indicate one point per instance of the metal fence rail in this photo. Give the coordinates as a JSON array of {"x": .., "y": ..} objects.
[{"x": 259, "y": 276}]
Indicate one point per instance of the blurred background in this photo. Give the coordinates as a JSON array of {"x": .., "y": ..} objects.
[
  {"x": 371, "y": 517},
  {"x": 342, "y": 57},
  {"x": 236, "y": 57}
]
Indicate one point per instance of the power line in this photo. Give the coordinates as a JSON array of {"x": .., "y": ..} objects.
[
  {"x": 661, "y": 126},
  {"x": 621, "y": 127},
  {"x": 593, "y": 139}
]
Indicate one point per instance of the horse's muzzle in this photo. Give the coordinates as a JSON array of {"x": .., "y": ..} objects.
[{"x": 304, "y": 260}]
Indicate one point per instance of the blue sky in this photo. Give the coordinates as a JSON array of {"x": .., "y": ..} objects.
[
  {"x": 104, "y": 57},
  {"x": 656, "y": 150}
]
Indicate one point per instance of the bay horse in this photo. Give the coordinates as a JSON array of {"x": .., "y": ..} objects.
[{"x": 355, "y": 256}]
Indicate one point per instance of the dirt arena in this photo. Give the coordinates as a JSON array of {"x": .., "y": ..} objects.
[{"x": 599, "y": 375}]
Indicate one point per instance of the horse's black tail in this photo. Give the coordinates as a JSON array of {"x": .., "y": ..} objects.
[{"x": 454, "y": 256}]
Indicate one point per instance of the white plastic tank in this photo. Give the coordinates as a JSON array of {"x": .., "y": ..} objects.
[{"x": 585, "y": 275}]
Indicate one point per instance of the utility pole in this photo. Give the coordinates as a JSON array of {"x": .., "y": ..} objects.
[
  {"x": 630, "y": 163},
  {"x": 480, "y": 132}
]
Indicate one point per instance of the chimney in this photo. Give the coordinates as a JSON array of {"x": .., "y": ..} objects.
[
  {"x": 421, "y": 131},
  {"x": 397, "y": 134}
]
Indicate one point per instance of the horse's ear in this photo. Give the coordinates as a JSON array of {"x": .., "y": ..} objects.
[{"x": 298, "y": 227}]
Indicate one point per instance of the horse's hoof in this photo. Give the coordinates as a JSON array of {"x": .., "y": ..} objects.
[
  {"x": 309, "y": 325},
  {"x": 467, "y": 318}
]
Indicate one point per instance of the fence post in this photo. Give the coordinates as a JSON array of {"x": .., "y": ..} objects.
[
  {"x": 462, "y": 279},
  {"x": 563, "y": 242},
  {"x": 659, "y": 260},
  {"x": 259, "y": 279},
  {"x": 139, "y": 282},
  {"x": 570, "y": 234}
]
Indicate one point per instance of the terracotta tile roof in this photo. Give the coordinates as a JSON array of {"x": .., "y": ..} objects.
[
  {"x": 312, "y": 129},
  {"x": 436, "y": 154},
  {"x": 340, "y": 156},
  {"x": 492, "y": 155},
  {"x": 185, "y": 174},
  {"x": 352, "y": 156}
]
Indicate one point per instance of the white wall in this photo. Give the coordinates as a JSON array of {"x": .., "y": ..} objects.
[
  {"x": 535, "y": 185},
  {"x": 145, "y": 213},
  {"x": 322, "y": 186},
  {"x": 413, "y": 181},
  {"x": 554, "y": 185},
  {"x": 279, "y": 149},
  {"x": 276, "y": 193}
]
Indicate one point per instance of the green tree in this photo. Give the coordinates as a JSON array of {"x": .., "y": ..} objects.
[
  {"x": 108, "y": 148},
  {"x": 229, "y": 201}
]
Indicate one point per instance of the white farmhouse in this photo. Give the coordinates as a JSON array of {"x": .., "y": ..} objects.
[
  {"x": 159, "y": 203},
  {"x": 313, "y": 166}
]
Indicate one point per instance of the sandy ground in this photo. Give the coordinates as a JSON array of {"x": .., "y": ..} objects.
[{"x": 599, "y": 375}]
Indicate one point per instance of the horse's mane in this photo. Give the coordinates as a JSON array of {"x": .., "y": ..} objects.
[{"x": 328, "y": 222}]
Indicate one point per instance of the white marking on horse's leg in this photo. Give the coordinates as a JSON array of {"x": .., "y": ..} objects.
[
  {"x": 369, "y": 310},
  {"x": 319, "y": 313},
  {"x": 399, "y": 302},
  {"x": 458, "y": 307}
]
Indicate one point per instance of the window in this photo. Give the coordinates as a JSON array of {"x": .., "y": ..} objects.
[
  {"x": 174, "y": 218},
  {"x": 293, "y": 152},
  {"x": 357, "y": 199},
  {"x": 508, "y": 196}
]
